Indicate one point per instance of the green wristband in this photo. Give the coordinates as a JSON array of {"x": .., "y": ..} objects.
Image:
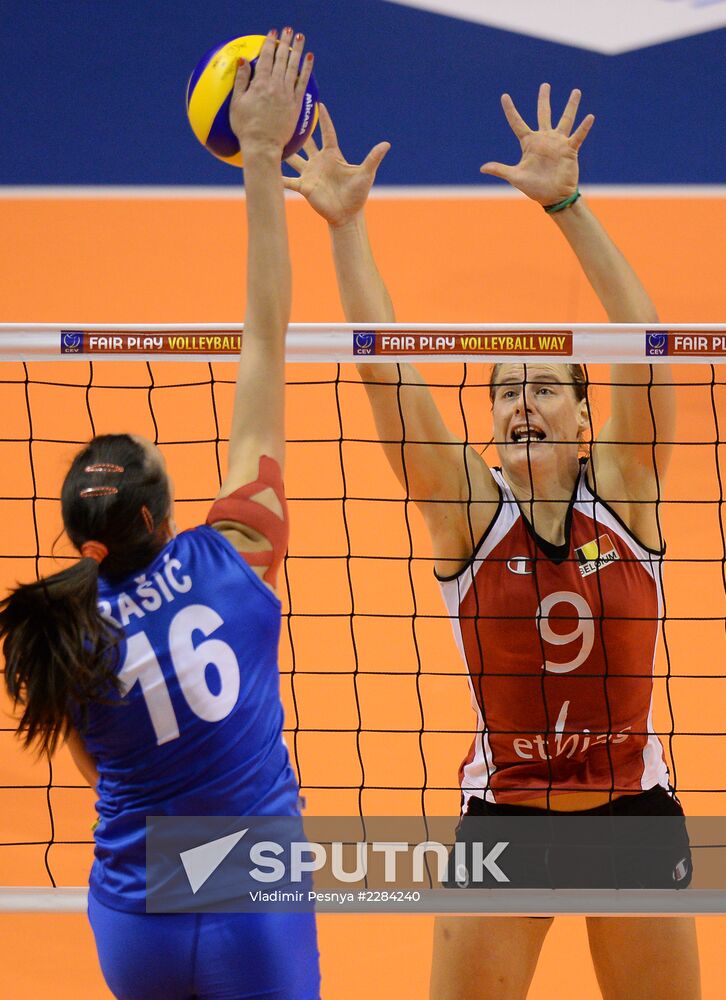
[{"x": 551, "y": 209}]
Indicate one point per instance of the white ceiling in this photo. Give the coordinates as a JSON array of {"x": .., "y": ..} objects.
[{"x": 607, "y": 26}]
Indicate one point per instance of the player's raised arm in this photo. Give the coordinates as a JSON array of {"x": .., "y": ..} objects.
[
  {"x": 431, "y": 464},
  {"x": 643, "y": 397},
  {"x": 263, "y": 113}
]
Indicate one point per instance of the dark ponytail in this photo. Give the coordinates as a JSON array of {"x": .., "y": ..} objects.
[
  {"x": 58, "y": 652},
  {"x": 60, "y": 655}
]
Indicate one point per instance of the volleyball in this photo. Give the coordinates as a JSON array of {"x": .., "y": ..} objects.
[{"x": 209, "y": 93}]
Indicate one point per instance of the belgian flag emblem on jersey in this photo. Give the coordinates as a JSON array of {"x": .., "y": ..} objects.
[{"x": 593, "y": 555}]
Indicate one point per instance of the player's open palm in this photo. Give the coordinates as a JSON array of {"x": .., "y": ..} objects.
[
  {"x": 548, "y": 170},
  {"x": 264, "y": 108},
  {"x": 336, "y": 189}
]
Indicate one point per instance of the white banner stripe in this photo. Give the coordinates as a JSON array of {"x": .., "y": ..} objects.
[
  {"x": 366, "y": 343},
  {"x": 525, "y": 902},
  {"x": 383, "y": 193},
  {"x": 29, "y": 899}
]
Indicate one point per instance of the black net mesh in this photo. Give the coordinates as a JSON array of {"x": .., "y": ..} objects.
[{"x": 377, "y": 708}]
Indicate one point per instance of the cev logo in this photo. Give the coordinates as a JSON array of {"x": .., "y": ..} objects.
[
  {"x": 607, "y": 26},
  {"x": 656, "y": 344},
  {"x": 363, "y": 343},
  {"x": 71, "y": 341}
]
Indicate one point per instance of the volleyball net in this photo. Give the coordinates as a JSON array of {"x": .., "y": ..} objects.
[{"x": 378, "y": 713}]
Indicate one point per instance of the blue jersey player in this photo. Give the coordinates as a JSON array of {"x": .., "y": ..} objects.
[{"x": 183, "y": 630}]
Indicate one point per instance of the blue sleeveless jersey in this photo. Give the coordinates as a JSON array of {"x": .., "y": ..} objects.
[{"x": 199, "y": 729}]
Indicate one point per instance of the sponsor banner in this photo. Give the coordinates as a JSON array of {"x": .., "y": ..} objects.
[
  {"x": 686, "y": 343},
  {"x": 602, "y": 343},
  {"x": 417, "y": 864},
  {"x": 501, "y": 343},
  {"x": 168, "y": 342}
]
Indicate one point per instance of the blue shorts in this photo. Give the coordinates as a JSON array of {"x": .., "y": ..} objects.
[{"x": 206, "y": 956}]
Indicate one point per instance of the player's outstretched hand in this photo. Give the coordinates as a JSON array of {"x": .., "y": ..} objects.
[
  {"x": 265, "y": 108},
  {"x": 336, "y": 189},
  {"x": 548, "y": 170}
]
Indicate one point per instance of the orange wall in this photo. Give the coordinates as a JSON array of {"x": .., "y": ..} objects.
[{"x": 488, "y": 261}]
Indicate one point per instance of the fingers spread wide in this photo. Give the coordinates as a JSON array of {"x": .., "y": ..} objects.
[
  {"x": 327, "y": 129},
  {"x": 497, "y": 170},
  {"x": 578, "y": 137},
  {"x": 544, "y": 113},
  {"x": 310, "y": 146},
  {"x": 374, "y": 159},
  {"x": 568, "y": 115},
  {"x": 517, "y": 124},
  {"x": 297, "y": 162}
]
